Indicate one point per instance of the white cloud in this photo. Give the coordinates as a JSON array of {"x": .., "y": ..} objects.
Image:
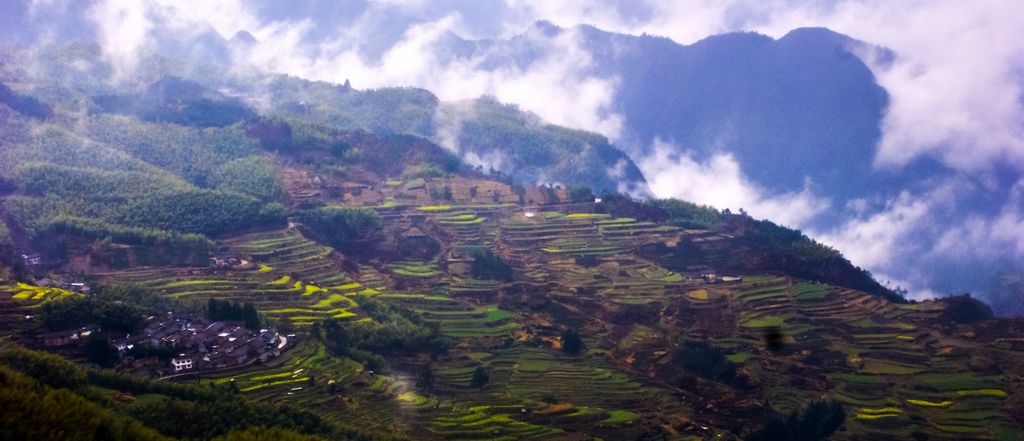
[
  {"x": 872, "y": 240},
  {"x": 979, "y": 237},
  {"x": 916, "y": 237},
  {"x": 554, "y": 86},
  {"x": 956, "y": 81},
  {"x": 122, "y": 31},
  {"x": 955, "y": 84},
  {"x": 720, "y": 183}
]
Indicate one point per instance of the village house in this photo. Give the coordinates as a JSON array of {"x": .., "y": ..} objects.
[
  {"x": 123, "y": 344},
  {"x": 181, "y": 363},
  {"x": 225, "y": 262}
]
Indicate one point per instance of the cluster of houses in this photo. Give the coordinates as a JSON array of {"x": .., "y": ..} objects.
[
  {"x": 199, "y": 345},
  {"x": 195, "y": 344},
  {"x": 32, "y": 259}
]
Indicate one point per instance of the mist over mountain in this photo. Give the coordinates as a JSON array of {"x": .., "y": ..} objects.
[
  {"x": 381, "y": 220},
  {"x": 867, "y": 144},
  {"x": 789, "y": 129},
  {"x": 792, "y": 106}
]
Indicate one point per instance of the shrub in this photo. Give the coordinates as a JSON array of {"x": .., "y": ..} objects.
[
  {"x": 572, "y": 343},
  {"x": 689, "y": 215},
  {"x": 966, "y": 309},
  {"x": 480, "y": 378},
  {"x": 580, "y": 193}
]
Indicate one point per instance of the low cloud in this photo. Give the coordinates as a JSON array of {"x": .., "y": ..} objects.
[
  {"x": 554, "y": 86},
  {"x": 872, "y": 240},
  {"x": 123, "y": 29},
  {"x": 719, "y": 182},
  {"x": 927, "y": 242},
  {"x": 980, "y": 236},
  {"x": 956, "y": 83}
]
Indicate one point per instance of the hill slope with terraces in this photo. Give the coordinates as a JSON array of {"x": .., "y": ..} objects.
[
  {"x": 420, "y": 297},
  {"x": 631, "y": 279}
]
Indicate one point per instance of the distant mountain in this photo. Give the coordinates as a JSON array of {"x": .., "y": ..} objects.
[
  {"x": 179, "y": 101},
  {"x": 483, "y": 132},
  {"x": 803, "y": 106}
]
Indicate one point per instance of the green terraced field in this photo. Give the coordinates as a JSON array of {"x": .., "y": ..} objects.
[{"x": 884, "y": 370}]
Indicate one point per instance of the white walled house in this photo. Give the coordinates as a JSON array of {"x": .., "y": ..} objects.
[{"x": 181, "y": 363}]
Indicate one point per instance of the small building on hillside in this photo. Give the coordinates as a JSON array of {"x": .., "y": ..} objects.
[
  {"x": 60, "y": 338},
  {"x": 224, "y": 262},
  {"x": 123, "y": 344},
  {"x": 181, "y": 363}
]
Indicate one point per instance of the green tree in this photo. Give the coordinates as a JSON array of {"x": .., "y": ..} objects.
[
  {"x": 572, "y": 343},
  {"x": 480, "y": 378},
  {"x": 67, "y": 313},
  {"x": 705, "y": 360},
  {"x": 425, "y": 378},
  {"x": 580, "y": 193},
  {"x": 99, "y": 350},
  {"x": 266, "y": 434},
  {"x": 250, "y": 317},
  {"x": 817, "y": 422},
  {"x": 487, "y": 265}
]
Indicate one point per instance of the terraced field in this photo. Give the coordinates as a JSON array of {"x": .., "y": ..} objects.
[
  {"x": 896, "y": 378},
  {"x": 19, "y": 302},
  {"x": 533, "y": 394},
  {"x": 896, "y": 374},
  {"x": 289, "y": 277}
]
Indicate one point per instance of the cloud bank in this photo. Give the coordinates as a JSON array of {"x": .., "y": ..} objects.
[
  {"x": 955, "y": 82},
  {"x": 719, "y": 182}
]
